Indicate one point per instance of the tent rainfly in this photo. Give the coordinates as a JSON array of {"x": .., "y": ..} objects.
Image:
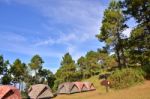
[
  {"x": 9, "y": 92},
  {"x": 81, "y": 86},
  {"x": 67, "y": 88},
  {"x": 90, "y": 86},
  {"x": 74, "y": 87},
  {"x": 40, "y": 91}
]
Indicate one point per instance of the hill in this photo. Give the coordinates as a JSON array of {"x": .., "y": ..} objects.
[{"x": 141, "y": 91}]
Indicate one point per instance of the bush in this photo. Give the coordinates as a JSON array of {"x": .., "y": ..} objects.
[
  {"x": 24, "y": 95},
  {"x": 126, "y": 77},
  {"x": 146, "y": 68},
  {"x": 6, "y": 79},
  {"x": 56, "y": 84}
]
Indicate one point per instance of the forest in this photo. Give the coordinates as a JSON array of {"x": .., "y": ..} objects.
[{"x": 125, "y": 59}]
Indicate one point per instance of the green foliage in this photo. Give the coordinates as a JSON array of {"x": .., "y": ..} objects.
[
  {"x": 92, "y": 62},
  {"x": 82, "y": 66},
  {"x": 85, "y": 63},
  {"x": 139, "y": 9},
  {"x": 6, "y": 79},
  {"x": 36, "y": 62},
  {"x": 139, "y": 46},
  {"x": 113, "y": 25},
  {"x": 47, "y": 77},
  {"x": 24, "y": 95},
  {"x": 35, "y": 65},
  {"x": 126, "y": 77},
  {"x": 106, "y": 61},
  {"x": 17, "y": 69},
  {"x": 146, "y": 68},
  {"x": 56, "y": 83},
  {"x": 3, "y": 65},
  {"x": 139, "y": 42},
  {"x": 67, "y": 71}
]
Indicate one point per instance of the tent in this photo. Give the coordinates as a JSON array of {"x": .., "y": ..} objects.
[
  {"x": 9, "y": 92},
  {"x": 67, "y": 88},
  {"x": 40, "y": 91},
  {"x": 74, "y": 87},
  {"x": 81, "y": 86},
  {"x": 90, "y": 86}
]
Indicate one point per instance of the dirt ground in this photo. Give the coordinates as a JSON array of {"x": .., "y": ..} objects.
[{"x": 141, "y": 91}]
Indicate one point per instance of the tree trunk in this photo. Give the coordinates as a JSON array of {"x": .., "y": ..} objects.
[
  {"x": 123, "y": 57},
  {"x": 35, "y": 77},
  {"x": 118, "y": 48},
  {"x": 19, "y": 82},
  {"x": 19, "y": 85},
  {"x": 118, "y": 58}
]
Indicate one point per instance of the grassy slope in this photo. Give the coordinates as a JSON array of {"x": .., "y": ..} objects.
[{"x": 137, "y": 92}]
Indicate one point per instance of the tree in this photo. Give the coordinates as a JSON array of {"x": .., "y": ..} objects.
[
  {"x": 92, "y": 59},
  {"x": 67, "y": 71},
  {"x": 36, "y": 64},
  {"x": 17, "y": 70},
  {"x": 106, "y": 60},
  {"x": 113, "y": 25},
  {"x": 139, "y": 10},
  {"x": 139, "y": 42},
  {"x": 47, "y": 77},
  {"x": 6, "y": 79},
  {"x": 82, "y": 66},
  {"x": 3, "y": 65}
]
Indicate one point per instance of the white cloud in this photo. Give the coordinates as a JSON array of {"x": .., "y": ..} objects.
[
  {"x": 127, "y": 32},
  {"x": 81, "y": 18},
  {"x": 63, "y": 39},
  {"x": 12, "y": 37},
  {"x": 84, "y": 15},
  {"x": 16, "y": 43}
]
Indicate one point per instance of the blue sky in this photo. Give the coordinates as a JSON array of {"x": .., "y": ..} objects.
[{"x": 49, "y": 28}]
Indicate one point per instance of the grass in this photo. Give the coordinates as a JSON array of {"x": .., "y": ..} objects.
[{"x": 141, "y": 91}]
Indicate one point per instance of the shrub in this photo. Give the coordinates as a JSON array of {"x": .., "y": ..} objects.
[
  {"x": 24, "y": 95},
  {"x": 6, "y": 79},
  {"x": 126, "y": 77},
  {"x": 56, "y": 84},
  {"x": 146, "y": 68}
]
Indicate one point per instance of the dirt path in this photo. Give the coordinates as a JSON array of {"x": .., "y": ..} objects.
[{"x": 137, "y": 92}]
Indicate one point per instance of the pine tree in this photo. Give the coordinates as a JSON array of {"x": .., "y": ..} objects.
[
  {"x": 17, "y": 70},
  {"x": 139, "y": 42},
  {"x": 67, "y": 69},
  {"x": 113, "y": 25},
  {"x": 35, "y": 64}
]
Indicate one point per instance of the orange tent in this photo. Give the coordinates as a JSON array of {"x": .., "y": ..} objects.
[
  {"x": 74, "y": 87},
  {"x": 67, "y": 88},
  {"x": 81, "y": 86},
  {"x": 89, "y": 85},
  {"x": 9, "y": 92}
]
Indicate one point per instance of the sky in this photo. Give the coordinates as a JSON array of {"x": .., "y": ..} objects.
[{"x": 50, "y": 28}]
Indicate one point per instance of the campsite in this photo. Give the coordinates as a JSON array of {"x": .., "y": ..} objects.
[{"x": 74, "y": 49}]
